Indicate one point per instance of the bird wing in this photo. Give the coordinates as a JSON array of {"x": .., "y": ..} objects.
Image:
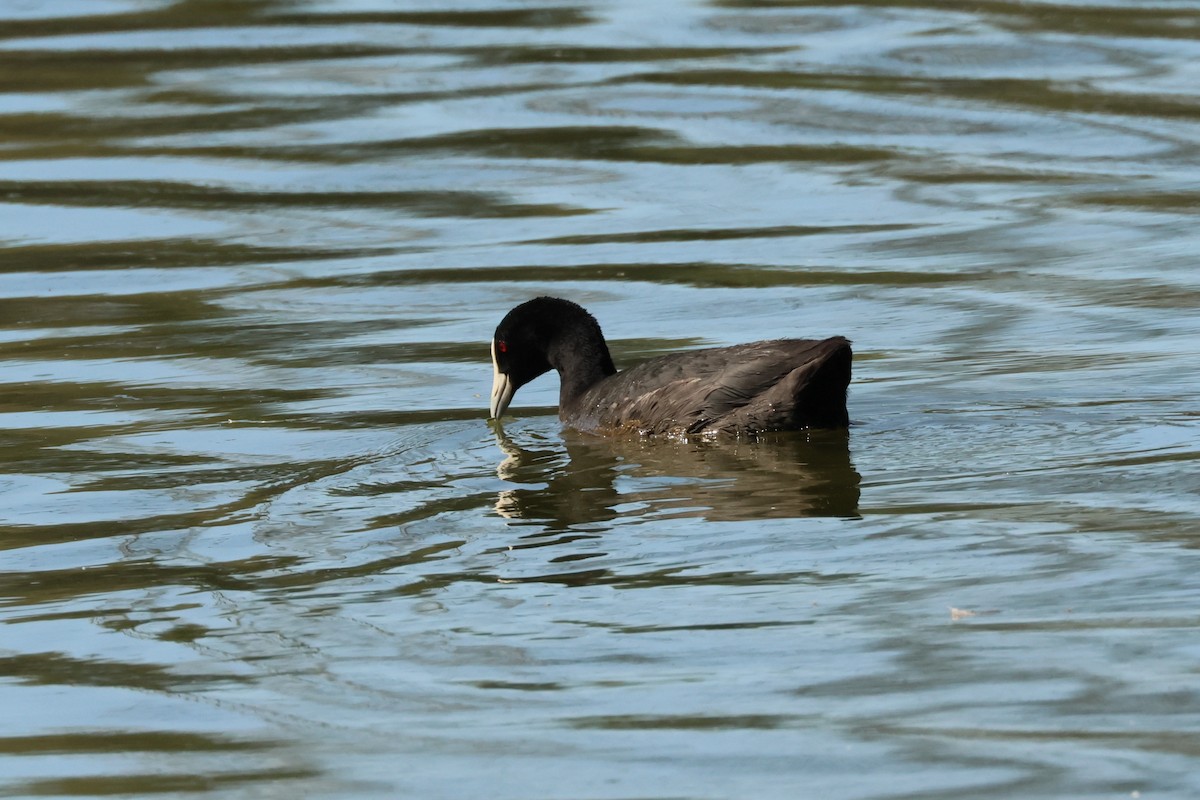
[
  {"x": 748, "y": 378},
  {"x": 694, "y": 391}
]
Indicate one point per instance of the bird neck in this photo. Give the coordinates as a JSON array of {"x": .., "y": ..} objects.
[{"x": 582, "y": 360}]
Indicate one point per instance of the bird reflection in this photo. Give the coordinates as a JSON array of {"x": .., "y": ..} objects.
[{"x": 583, "y": 479}]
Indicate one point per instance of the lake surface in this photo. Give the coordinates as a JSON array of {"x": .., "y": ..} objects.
[{"x": 259, "y": 539}]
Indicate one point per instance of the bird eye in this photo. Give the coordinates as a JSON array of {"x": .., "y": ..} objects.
[{"x": 502, "y": 346}]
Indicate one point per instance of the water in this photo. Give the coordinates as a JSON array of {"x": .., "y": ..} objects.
[{"x": 259, "y": 540}]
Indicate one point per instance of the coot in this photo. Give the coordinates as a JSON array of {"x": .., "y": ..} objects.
[{"x": 781, "y": 384}]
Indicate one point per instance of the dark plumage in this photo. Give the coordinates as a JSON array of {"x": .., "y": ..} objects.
[{"x": 782, "y": 384}]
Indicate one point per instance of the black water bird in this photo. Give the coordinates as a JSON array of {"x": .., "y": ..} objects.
[{"x": 781, "y": 384}]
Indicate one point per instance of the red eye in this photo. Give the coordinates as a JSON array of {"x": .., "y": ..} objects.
[{"x": 502, "y": 346}]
